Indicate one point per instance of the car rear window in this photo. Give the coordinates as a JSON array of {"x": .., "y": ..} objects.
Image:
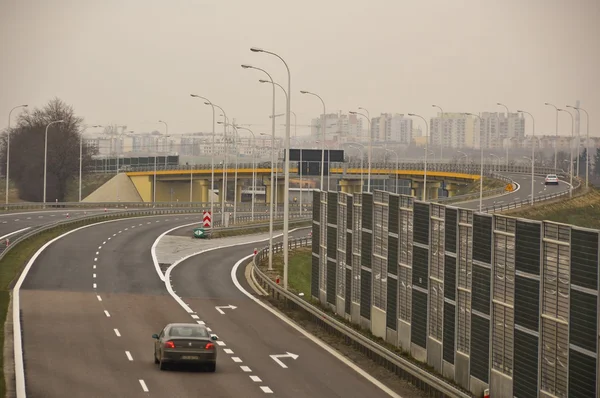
[{"x": 188, "y": 331}]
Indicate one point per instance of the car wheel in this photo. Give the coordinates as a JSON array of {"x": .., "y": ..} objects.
[
  {"x": 211, "y": 367},
  {"x": 162, "y": 365}
]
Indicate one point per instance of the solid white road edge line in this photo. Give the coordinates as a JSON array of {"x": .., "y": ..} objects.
[
  {"x": 18, "y": 338},
  {"x": 12, "y": 233},
  {"x": 314, "y": 339}
]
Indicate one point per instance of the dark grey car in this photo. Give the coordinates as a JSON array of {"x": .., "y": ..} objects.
[{"x": 185, "y": 343}]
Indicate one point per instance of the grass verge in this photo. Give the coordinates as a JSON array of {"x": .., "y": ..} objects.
[
  {"x": 488, "y": 185},
  {"x": 299, "y": 281},
  {"x": 582, "y": 210},
  {"x": 237, "y": 232}
]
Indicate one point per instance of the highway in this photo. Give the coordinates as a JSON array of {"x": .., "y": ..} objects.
[
  {"x": 523, "y": 193},
  {"x": 253, "y": 334}
]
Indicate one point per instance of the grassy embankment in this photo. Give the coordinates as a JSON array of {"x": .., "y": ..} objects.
[
  {"x": 89, "y": 184},
  {"x": 582, "y": 210}
]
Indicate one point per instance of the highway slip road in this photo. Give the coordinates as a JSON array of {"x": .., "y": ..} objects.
[
  {"x": 522, "y": 194},
  {"x": 265, "y": 350}
]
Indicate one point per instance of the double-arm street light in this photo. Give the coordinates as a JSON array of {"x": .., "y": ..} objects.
[
  {"x": 397, "y": 164},
  {"x": 212, "y": 155},
  {"x": 555, "y": 134},
  {"x": 481, "y": 160},
  {"x": 578, "y": 135},
  {"x": 532, "y": 154},
  {"x": 441, "y": 131},
  {"x": 587, "y": 145},
  {"x": 253, "y": 166},
  {"x": 570, "y": 150},
  {"x": 286, "y": 191},
  {"x": 426, "y": 153},
  {"x": 272, "y": 196},
  {"x": 370, "y": 149},
  {"x": 507, "y": 130},
  {"x": 235, "y": 178},
  {"x": 46, "y": 154},
  {"x": 323, "y": 127},
  {"x": 8, "y": 148}
]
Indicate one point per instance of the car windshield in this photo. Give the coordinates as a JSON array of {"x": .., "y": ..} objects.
[{"x": 188, "y": 331}]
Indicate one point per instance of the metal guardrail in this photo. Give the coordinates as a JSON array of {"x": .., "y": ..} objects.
[
  {"x": 434, "y": 384},
  {"x": 470, "y": 168},
  {"x": 475, "y": 195}
]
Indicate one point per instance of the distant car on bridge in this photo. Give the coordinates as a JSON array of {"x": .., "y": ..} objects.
[{"x": 551, "y": 179}]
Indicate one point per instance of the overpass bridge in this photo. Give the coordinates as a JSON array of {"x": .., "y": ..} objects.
[{"x": 177, "y": 181}]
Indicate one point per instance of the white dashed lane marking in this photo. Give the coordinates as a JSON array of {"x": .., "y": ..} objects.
[
  {"x": 94, "y": 285},
  {"x": 129, "y": 355},
  {"x": 94, "y": 275},
  {"x": 221, "y": 343},
  {"x": 246, "y": 369},
  {"x": 266, "y": 390},
  {"x": 228, "y": 351},
  {"x": 117, "y": 332},
  {"x": 99, "y": 298},
  {"x": 236, "y": 359},
  {"x": 143, "y": 384},
  {"x": 107, "y": 314},
  {"x": 255, "y": 379}
]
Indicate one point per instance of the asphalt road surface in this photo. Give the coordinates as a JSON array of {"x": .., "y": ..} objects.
[
  {"x": 522, "y": 194},
  {"x": 89, "y": 307}
]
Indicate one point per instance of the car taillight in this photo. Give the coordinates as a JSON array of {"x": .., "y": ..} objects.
[
  {"x": 169, "y": 344},
  {"x": 209, "y": 346}
]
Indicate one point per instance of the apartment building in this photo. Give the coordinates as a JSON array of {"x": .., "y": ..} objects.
[
  {"x": 393, "y": 128},
  {"x": 339, "y": 128},
  {"x": 454, "y": 130}
]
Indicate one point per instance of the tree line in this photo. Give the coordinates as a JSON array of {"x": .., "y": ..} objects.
[{"x": 27, "y": 151}]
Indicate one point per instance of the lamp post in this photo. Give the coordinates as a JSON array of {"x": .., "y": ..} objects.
[
  {"x": 46, "y": 155},
  {"x": 587, "y": 145},
  {"x": 464, "y": 155},
  {"x": 441, "y": 132},
  {"x": 370, "y": 149},
  {"x": 272, "y": 198},
  {"x": 532, "y": 154},
  {"x": 212, "y": 154},
  {"x": 81, "y": 156},
  {"x": 497, "y": 161},
  {"x": 235, "y": 179},
  {"x": 578, "y": 135},
  {"x": 555, "y": 135},
  {"x": 426, "y": 153},
  {"x": 8, "y": 147},
  {"x": 323, "y": 127},
  {"x": 253, "y": 166},
  {"x": 481, "y": 161},
  {"x": 507, "y": 130},
  {"x": 397, "y": 163},
  {"x": 223, "y": 189},
  {"x": 361, "y": 148},
  {"x": 570, "y": 149}
]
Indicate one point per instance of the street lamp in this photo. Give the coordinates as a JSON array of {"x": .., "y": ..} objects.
[
  {"x": 223, "y": 189},
  {"x": 532, "y": 153},
  {"x": 578, "y": 135},
  {"x": 587, "y": 145},
  {"x": 441, "y": 132},
  {"x": 555, "y": 136},
  {"x": 507, "y": 130},
  {"x": 570, "y": 149},
  {"x": 361, "y": 148},
  {"x": 481, "y": 161},
  {"x": 397, "y": 163},
  {"x": 212, "y": 156},
  {"x": 464, "y": 155},
  {"x": 370, "y": 149},
  {"x": 46, "y": 155},
  {"x": 426, "y": 154},
  {"x": 235, "y": 179},
  {"x": 497, "y": 161},
  {"x": 272, "y": 198},
  {"x": 323, "y": 126},
  {"x": 81, "y": 156},
  {"x": 253, "y": 167},
  {"x": 8, "y": 148}
]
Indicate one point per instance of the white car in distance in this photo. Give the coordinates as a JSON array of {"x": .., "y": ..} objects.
[{"x": 551, "y": 179}]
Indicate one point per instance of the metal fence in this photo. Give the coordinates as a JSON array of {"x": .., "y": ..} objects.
[{"x": 487, "y": 300}]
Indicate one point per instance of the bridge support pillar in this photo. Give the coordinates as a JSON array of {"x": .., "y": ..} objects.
[
  {"x": 278, "y": 193},
  {"x": 238, "y": 193},
  {"x": 204, "y": 186},
  {"x": 432, "y": 189},
  {"x": 350, "y": 186},
  {"x": 452, "y": 189}
]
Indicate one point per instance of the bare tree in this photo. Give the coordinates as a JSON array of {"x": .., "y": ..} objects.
[{"x": 27, "y": 151}]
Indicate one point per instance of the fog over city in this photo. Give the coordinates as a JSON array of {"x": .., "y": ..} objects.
[{"x": 135, "y": 62}]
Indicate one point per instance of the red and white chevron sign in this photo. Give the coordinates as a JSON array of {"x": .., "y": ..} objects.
[{"x": 207, "y": 218}]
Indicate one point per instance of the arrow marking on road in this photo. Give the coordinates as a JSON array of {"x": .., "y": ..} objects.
[
  {"x": 286, "y": 355},
  {"x": 231, "y": 307}
]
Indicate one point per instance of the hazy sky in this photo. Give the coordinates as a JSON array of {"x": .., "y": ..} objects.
[{"x": 134, "y": 62}]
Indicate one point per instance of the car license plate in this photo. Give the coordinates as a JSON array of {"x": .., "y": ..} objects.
[{"x": 189, "y": 357}]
